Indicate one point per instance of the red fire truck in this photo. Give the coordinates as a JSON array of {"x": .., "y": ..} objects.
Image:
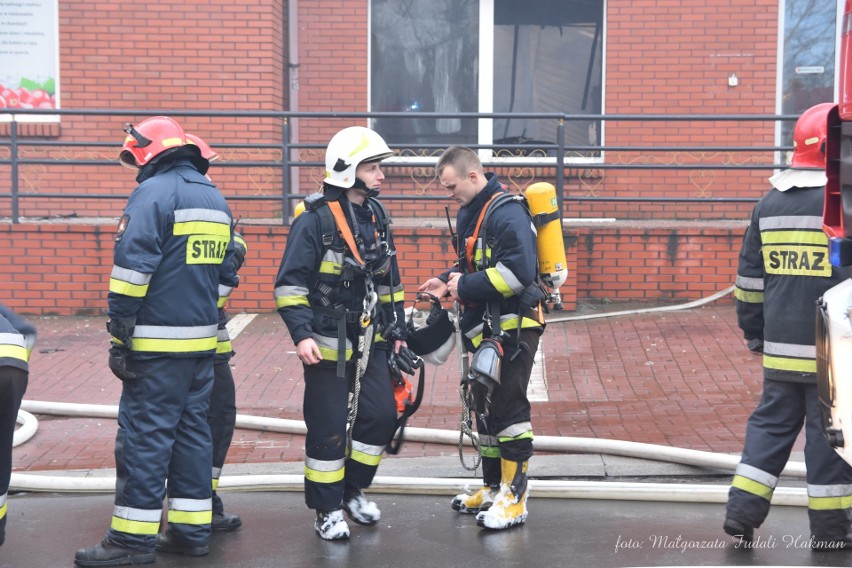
[{"x": 834, "y": 316}]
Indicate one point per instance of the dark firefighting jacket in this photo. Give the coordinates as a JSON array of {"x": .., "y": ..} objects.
[
  {"x": 173, "y": 255},
  {"x": 17, "y": 338},
  {"x": 510, "y": 254},
  {"x": 318, "y": 280},
  {"x": 783, "y": 270}
]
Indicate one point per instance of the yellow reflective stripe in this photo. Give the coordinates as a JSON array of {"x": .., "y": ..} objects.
[
  {"x": 328, "y": 267},
  {"x": 3, "y": 510},
  {"x": 498, "y": 282},
  {"x": 15, "y": 352},
  {"x": 753, "y": 487},
  {"x": 173, "y": 345},
  {"x": 507, "y": 325},
  {"x": 223, "y": 347},
  {"x": 287, "y": 301},
  {"x": 829, "y": 503},
  {"x": 378, "y": 337},
  {"x": 202, "y": 228},
  {"x": 398, "y": 297},
  {"x": 788, "y": 364},
  {"x": 169, "y": 142},
  {"x": 128, "y": 289},
  {"x": 489, "y": 451},
  {"x": 215, "y": 483},
  {"x": 330, "y": 354},
  {"x": 241, "y": 241},
  {"x": 318, "y": 476},
  {"x": 191, "y": 517},
  {"x": 794, "y": 237},
  {"x": 748, "y": 297},
  {"x": 528, "y": 435},
  {"x": 135, "y": 527},
  {"x": 222, "y": 301},
  {"x": 796, "y": 260},
  {"x": 364, "y": 458}
]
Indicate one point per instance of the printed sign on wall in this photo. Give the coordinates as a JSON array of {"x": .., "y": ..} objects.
[{"x": 29, "y": 65}]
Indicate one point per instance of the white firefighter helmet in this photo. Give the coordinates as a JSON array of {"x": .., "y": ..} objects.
[
  {"x": 431, "y": 334},
  {"x": 349, "y": 148}
]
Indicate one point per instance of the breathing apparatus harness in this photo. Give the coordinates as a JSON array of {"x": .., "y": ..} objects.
[
  {"x": 482, "y": 376},
  {"x": 334, "y": 220}
]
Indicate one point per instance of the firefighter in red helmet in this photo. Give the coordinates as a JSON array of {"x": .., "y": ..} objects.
[
  {"x": 222, "y": 414},
  {"x": 173, "y": 252},
  {"x": 783, "y": 270}
]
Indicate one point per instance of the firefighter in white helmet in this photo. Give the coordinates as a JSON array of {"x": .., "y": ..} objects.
[
  {"x": 783, "y": 269},
  {"x": 338, "y": 290}
]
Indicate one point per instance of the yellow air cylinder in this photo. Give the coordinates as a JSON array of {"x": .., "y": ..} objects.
[
  {"x": 300, "y": 208},
  {"x": 541, "y": 198}
]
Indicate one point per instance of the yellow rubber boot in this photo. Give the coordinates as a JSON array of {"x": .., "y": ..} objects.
[
  {"x": 510, "y": 505},
  {"x": 473, "y": 503}
]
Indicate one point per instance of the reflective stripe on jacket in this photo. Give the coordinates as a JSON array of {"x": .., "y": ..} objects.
[
  {"x": 17, "y": 338},
  {"x": 172, "y": 258},
  {"x": 783, "y": 270},
  {"x": 311, "y": 276},
  {"x": 510, "y": 252}
]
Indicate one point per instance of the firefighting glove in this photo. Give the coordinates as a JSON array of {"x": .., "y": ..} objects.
[
  {"x": 407, "y": 360},
  {"x": 118, "y": 357},
  {"x": 755, "y": 345},
  {"x": 120, "y": 330}
]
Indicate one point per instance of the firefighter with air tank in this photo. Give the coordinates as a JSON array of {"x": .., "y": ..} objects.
[{"x": 496, "y": 284}]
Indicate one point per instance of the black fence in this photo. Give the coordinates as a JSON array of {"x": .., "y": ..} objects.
[{"x": 518, "y": 152}]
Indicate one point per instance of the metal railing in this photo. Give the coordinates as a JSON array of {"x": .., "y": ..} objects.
[{"x": 555, "y": 156}]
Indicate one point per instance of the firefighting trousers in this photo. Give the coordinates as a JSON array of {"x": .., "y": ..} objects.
[
  {"x": 329, "y": 471},
  {"x": 507, "y": 432},
  {"x": 163, "y": 435},
  {"x": 770, "y": 434},
  {"x": 13, "y": 385},
  {"x": 221, "y": 417}
]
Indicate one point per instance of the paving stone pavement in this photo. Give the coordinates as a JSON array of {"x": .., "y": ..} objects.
[{"x": 676, "y": 378}]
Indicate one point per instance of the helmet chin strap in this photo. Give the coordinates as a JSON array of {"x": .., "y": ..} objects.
[{"x": 371, "y": 192}]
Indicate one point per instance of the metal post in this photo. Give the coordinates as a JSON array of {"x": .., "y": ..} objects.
[
  {"x": 285, "y": 172},
  {"x": 13, "y": 129},
  {"x": 560, "y": 165}
]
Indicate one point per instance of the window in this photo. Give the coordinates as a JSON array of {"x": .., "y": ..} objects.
[
  {"x": 488, "y": 56},
  {"x": 808, "y": 57}
]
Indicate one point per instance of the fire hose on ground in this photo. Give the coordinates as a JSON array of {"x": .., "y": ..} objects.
[{"x": 562, "y": 489}]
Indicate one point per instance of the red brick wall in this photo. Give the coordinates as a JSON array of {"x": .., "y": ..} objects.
[
  {"x": 64, "y": 269},
  {"x": 672, "y": 57},
  {"x": 662, "y": 57}
]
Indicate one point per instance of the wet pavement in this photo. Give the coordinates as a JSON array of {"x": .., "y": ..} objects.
[
  {"x": 676, "y": 379},
  {"x": 423, "y": 531}
]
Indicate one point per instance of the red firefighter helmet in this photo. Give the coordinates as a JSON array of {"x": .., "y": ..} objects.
[
  {"x": 149, "y": 139},
  {"x": 809, "y": 138},
  {"x": 207, "y": 152}
]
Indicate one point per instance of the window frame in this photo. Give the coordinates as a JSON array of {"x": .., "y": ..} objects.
[{"x": 485, "y": 87}]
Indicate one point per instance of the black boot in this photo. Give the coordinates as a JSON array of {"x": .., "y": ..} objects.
[
  {"x": 109, "y": 554},
  {"x": 167, "y": 543},
  {"x": 222, "y": 521}
]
